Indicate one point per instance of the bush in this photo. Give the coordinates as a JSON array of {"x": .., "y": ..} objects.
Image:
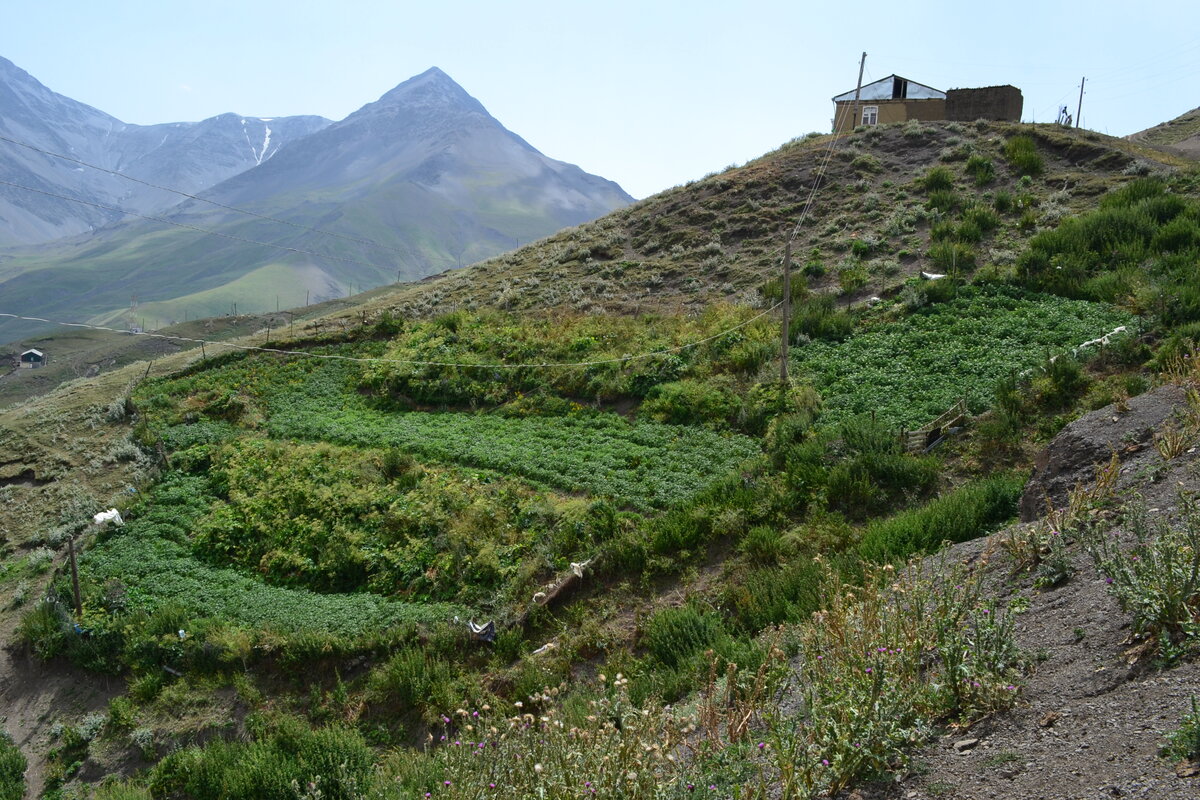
[
  {"x": 673, "y": 635},
  {"x": 1158, "y": 580},
  {"x": 12, "y": 770},
  {"x": 982, "y": 217},
  {"x": 981, "y": 170},
  {"x": 692, "y": 402},
  {"x": 951, "y": 257},
  {"x": 963, "y": 514},
  {"x": 1059, "y": 383},
  {"x": 944, "y": 200},
  {"x": 937, "y": 179},
  {"x": 1003, "y": 202},
  {"x": 1023, "y": 156},
  {"x": 285, "y": 759},
  {"x": 818, "y": 318},
  {"x": 1183, "y": 744}
]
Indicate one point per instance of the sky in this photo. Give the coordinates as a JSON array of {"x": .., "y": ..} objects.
[{"x": 650, "y": 94}]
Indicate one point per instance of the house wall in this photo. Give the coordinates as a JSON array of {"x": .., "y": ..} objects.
[
  {"x": 991, "y": 102},
  {"x": 889, "y": 111}
]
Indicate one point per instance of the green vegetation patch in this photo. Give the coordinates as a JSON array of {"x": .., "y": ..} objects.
[
  {"x": 645, "y": 465},
  {"x": 151, "y": 558},
  {"x": 909, "y": 372}
]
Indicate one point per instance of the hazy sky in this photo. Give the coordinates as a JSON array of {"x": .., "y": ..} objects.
[{"x": 649, "y": 94}]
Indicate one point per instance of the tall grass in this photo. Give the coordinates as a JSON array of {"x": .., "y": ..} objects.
[
  {"x": 1023, "y": 156},
  {"x": 963, "y": 514}
]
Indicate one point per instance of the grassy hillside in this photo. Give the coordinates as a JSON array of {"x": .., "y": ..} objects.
[{"x": 586, "y": 442}]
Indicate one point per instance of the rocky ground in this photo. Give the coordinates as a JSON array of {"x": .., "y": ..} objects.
[{"x": 1094, "y": 711}]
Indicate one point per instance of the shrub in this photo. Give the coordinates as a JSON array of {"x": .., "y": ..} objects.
[
  {"x": 673, "y": 635},
  {"x": 763, "y": 544},
  {"x": 1059, "y": 382},
  {"x": 944, "y": 200},
  {"x": 1003, "y": 202},
  {"x": 981, "y": 170},
  {"x": 951, "y": 257},
  {"x": 982, "y": 217},
  {"x": 1183, "y": 744},
  {"x": 284, "y": 756},
  {"x": 937, "y": 179},
  {"x": 1023, "y": 156},
  {"x": 12, "y": 770},
  {"x": 692, "y": 402},
  {"x": 818, "y": 318},
  {"x": 963, "y": 514},
  {"x": 775, "y": 594},
  {"x": 1158, "y": 580}
]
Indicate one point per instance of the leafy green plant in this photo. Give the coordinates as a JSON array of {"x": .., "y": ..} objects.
[
  {"x": 1183, "y": 743},
  {"x": 911, "y": 371}
]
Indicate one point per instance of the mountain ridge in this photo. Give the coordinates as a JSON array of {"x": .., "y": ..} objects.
[{"x": 424, "y": 171}]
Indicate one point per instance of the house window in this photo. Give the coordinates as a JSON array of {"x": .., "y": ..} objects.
[{"x": 870, "y": 115}]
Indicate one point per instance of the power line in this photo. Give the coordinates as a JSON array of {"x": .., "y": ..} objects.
[
  {"x": 407, "y": 361},
  {"x": 355, "y": 239},
  {"x": 206, "y": 231}
]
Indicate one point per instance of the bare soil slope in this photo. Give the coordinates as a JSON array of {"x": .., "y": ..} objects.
[{"x": 1092, "y": 717}]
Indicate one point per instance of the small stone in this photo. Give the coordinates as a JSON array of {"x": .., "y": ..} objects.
[
  {"x": 1188, "y": 769},
  {"x": 963, "y": 745}
]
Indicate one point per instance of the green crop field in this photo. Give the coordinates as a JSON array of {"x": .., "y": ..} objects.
[
  {"x": 152, "y": 561},
  {"x": 909, "y": 372}
]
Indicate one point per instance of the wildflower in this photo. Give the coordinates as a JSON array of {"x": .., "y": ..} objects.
[
  {"x": 519, "y": 704},
  {"x": 761, "y": 745},
  {"x": 824, "y": 762},
  {"x": 538, "y": 768}
]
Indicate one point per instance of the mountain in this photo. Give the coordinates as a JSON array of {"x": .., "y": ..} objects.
[
  {"x": 188, "y": 156},
  {"x": 422, "y": 180}
]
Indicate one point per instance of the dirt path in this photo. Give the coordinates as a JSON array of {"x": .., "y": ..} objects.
[{"x": 34, "y": 694}]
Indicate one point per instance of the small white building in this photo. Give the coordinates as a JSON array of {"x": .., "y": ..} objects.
[{"x": 32, "y": 359}]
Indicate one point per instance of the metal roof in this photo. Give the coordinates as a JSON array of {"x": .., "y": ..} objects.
[{"x": 885, "y": 89}]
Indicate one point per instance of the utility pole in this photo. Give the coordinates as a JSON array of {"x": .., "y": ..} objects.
[
  {"x": 74, "y": 576},
  {"x": 787, "y": 312},
  {"x": 1079, "y": 109},
  {"x": 857, "y": 92}
]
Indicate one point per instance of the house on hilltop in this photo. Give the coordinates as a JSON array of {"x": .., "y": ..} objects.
[
  {"x": 897, "y": 99},
  {"x": 32, "y": 359}
]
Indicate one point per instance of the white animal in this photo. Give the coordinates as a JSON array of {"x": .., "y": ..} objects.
[
  {"x": 578, "y": 566},
  {"x": 105, "y": 517},
  {"x": 539, "y": 597}
]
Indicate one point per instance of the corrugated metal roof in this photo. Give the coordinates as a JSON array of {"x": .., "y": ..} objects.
[{"x": 884, "y": 89}]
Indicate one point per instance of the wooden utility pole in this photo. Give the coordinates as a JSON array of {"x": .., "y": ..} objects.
[
  {"x": 74, "y": 576},
  {"x": 857, "y": 92},
  {"x": 787, "y": 313},
  {"x": 1079, "y": 108}
]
